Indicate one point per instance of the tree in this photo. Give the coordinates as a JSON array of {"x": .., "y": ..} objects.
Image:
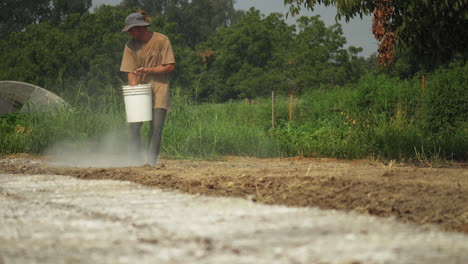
[
  {"x": 15, "y": 15},
  {"x": 79, "y": 57},
  {"x": 318, "y": 57},
  {"x": 61, "y": 8},
  {"x": 195, "y": 20},
  {"x": 153, "y": 7},
  {"x": 259, "y": 54},
  {"x": 435, "y": 32},
  {"x": 244, "y": 45}
]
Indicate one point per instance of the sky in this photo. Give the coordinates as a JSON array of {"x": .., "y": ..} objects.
[{"x": 357, "y": 31}]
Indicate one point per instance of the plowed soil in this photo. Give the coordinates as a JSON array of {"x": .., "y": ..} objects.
[{"x": 410, "y": 194}]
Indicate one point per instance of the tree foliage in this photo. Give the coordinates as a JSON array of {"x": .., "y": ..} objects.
[
  {"x": 15, "y": 15},
  {"x": 194, "y": 20},
  {"x": 435, "y": 32},
  {"x": 259, "y": 54},
  {"x": 61, "y": 8},
  {"x": 150, "y": 6},
  {"x": 80, "y": 51},
  {"x": 78, "y": 56}
]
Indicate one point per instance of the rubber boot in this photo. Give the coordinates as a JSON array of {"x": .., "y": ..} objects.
[
  {"x": 155, "y": 135},
  {"x": 134, "y": 144}
]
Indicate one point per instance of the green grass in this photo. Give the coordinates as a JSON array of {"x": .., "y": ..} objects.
[
  {"x": 378, "y": 117},
  {"x": 35, "y": 132},
  {"x": 218, "y": 129}
]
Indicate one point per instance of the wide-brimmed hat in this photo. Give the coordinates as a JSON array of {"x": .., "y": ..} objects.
[{"x": 135, "y": 20}]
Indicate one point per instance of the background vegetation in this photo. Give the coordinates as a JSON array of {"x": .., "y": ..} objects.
[
  {"x": 346, "y": 107},
  {"x": 425, "y": 33}
]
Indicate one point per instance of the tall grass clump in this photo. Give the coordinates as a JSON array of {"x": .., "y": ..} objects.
[
  {"x": 388, "y": 113},
  {"x": 446, "y": 112},
  {"x": 35, "y": 132},
  {"x": 212, "y": 130},
  {"x": 321, "y": 125},
  {"x": 88, "y": 118},
  {"x": 383, "y": 117}
]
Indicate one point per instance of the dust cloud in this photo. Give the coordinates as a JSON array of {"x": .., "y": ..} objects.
[{"x": 109, "y": 150}]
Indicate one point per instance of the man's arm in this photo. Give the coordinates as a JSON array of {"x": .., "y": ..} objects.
[
  {"x": 160, "y": 69},
  {"x": 132, "y": 79}
]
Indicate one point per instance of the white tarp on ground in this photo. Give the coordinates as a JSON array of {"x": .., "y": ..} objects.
[{"x": 25, "y": 97}]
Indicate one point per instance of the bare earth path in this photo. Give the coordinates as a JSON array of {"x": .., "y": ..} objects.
[
  {"x": 436, "y": 196},
  {"x": 49, "y": 218},
  {"x": 61, "y": 219}
]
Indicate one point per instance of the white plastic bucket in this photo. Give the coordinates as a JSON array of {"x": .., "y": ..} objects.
[{"x": 138, "y": 102}]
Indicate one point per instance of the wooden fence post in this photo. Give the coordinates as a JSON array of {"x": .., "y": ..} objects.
[
  {"x": 273, "y": 109},
  {"x": 423, "y": 84},
  {"x": 290, "y": 106}
]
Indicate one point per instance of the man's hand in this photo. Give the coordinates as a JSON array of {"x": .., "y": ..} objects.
[
  {"x": 137, "y": 76},
  {"x": 140, "y": 72}
]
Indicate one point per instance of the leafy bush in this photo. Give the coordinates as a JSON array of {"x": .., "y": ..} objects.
[{"x": 447, "y": 99}]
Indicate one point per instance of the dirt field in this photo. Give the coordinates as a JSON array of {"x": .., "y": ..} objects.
[{"x": 410, "y": 194}]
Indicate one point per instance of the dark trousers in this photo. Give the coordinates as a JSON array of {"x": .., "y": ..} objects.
[{"x": 155, "y": 135}]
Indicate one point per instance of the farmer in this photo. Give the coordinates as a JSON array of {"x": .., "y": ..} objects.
[{"x": 148, "y": 58}]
